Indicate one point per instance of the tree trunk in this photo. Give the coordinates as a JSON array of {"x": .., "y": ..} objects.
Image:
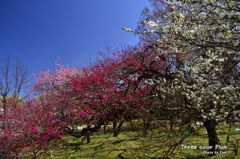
[
  {"x": 116, "y": 129},
  {"x": 171, "y": 123},
  {"x": 104, "y": 129},
  {"x": 212, "y": 136},
  {"x": 88, "y": 138},
  {"x": 88, "y": 134},
  {"x": 146, "y": 124}
]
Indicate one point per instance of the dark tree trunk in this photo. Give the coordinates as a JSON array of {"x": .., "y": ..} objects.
[
  {"x": 116, "y": 129},
  {"x": 212, "y": 136},
  {"x": 171, "y": 122},
  {"x": 227, "y": 121},
  {"x": 88, "y": 134},
  {"x": 88, "y": 138},
  {"x": 104, "y": 129},
  {"x": 146, "y": 124}
]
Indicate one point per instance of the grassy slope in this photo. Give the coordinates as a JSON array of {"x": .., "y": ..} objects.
[{"x": 131, "y": 145}]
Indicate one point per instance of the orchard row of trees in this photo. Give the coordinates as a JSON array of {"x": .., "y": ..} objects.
[{"x": 186, "y": 66}]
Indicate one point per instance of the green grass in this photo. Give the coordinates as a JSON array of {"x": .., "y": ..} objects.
[{"x": 132, "y": 145}]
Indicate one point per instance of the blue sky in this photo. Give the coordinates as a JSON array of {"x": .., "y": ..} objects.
[{"x": 38, "y": 31}]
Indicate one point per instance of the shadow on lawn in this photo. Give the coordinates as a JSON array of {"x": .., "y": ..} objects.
[
  {"x": 120, "y": 156},
  {"x": 187, "y": 157},
  {"x": 196, "y": 157},
  {"x": 100, "y": 146},
  {"x": 117, "y": 142}
]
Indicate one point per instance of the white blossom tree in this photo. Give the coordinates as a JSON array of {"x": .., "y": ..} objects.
[{"x": 210, "y": 31}]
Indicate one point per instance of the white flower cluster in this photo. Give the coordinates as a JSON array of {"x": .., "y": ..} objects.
[
  {"x": 204, "y": 22},
  {"x": 152, "y": 24},
  {"x": 127, "y": 30},
  {"x": 210, "y": 30}
]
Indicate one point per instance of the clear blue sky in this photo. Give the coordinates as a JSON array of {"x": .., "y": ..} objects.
[{"x": 38, "y": 31}]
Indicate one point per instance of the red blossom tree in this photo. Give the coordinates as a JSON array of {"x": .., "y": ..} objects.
[
  {"x": 29, "y": 128},
  {"x": 113, "y": 89}
]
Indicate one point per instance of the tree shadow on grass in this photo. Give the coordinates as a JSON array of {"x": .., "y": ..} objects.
[
  {"x": 196, "y": 157},
  {"x": 100, "y": 146},
  {"x": 117, "y": 142},
  {"x": 120, "y": 156}
]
